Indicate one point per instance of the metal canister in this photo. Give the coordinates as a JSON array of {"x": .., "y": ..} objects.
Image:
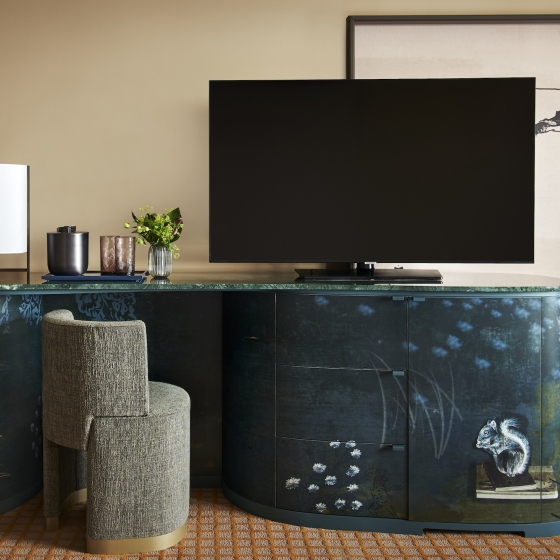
[{"x": 67, "y": 251}]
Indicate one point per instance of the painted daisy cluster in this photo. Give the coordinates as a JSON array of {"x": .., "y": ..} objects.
[{"x": 331, "y": 481}]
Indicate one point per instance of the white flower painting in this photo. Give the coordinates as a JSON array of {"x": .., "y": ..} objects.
[{"x": 292, "y": 483}]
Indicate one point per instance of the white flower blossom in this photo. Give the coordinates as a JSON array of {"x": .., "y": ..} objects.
[
  {"x": 334, "y": 444},
  {"x": 313, "y": 488},
  {"x": 352, "y": 487},
  {"x": 330, "y": 480},
  {"x": 356, "y": 504},
  {"x": 292, "y": 483},
  {"x": 356, "y": 453},
  {"x": 319, "y": 467},
  {"x": 352, "y": 471},
  {"x": 321, "y": 507},
  {"x": 350, "y": 444},
  {"x": 339, "y": 503}
]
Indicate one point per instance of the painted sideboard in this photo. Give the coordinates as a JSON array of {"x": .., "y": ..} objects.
[{"x": 344, "y": 405}]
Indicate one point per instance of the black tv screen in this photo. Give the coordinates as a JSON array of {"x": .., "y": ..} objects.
[{"x": 405, "y": 171}]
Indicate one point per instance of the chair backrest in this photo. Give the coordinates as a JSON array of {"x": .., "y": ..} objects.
[{"x": 91, "y": 369}]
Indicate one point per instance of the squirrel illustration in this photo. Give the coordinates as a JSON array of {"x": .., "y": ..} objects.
[{"x": 508, "y": 446}]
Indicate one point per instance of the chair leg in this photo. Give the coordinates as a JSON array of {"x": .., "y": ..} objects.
[
  {"x": 64, "y": 480},
  {"x": 51, "y": 491},
  {"x": 51, "y": 523}
]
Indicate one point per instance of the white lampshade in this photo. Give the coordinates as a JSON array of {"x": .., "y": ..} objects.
[{"x": 13, "y": 208}]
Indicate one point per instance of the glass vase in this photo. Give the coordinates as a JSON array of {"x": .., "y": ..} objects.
[
  {"x": 125, "y": 255},
  {"x": 160, "y": 261}
]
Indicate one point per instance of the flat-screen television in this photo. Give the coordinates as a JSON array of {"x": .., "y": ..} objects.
[{"x": 372, "y": 171}]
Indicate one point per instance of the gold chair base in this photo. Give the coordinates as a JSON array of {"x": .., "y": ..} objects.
[
  {"x": 130, "y": 546},
  {"x": 118, "y": 546}
]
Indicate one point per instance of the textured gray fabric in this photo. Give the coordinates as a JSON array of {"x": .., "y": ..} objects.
[
  {"x": 97, "y": 398},
  {"x": 138, "y": 472},
  {"x": 91, "y": 369},
  {"x": 51, "y": 491}
]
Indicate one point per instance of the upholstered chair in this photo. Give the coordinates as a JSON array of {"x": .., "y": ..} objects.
[{"x": 112, "y": 437}]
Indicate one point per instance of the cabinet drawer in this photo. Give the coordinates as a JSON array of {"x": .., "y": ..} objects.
[
  {"x": 341, "y": 331},
  {"x": 341, "y": 478},
  {"x": 341, "y": 404}
]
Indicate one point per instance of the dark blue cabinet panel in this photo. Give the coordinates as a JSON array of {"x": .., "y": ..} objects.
[
  {"x": 341, "y": 478},
  {"x": 472, "y": 360},
  {"x": 21, "y": 447},
  {"x": 325, "y": 403},
  {"x": 550, "y": 376},
  {"x": 341, "y": 331},
  {"x": 248, "y": 369}
]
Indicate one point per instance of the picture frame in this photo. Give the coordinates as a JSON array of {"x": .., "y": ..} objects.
[
  {"x": 477, "y": 46},
  {"x": 471, "y": 22}
]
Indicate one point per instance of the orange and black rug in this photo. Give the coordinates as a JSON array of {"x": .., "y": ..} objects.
[{"x": 220, "y": 531}]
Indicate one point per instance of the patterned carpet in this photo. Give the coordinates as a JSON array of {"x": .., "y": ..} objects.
[{"x": 220, "y": 531}]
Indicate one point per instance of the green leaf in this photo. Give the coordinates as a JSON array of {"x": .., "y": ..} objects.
[{"x": 174, "y": 214}]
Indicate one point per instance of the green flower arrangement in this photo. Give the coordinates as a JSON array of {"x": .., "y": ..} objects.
[{"x": 158, "y": 229}]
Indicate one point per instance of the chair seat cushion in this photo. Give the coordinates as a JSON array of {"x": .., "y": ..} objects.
[
  {"x": 166, "y": 399},
  {"x": 138, "y": 469}
]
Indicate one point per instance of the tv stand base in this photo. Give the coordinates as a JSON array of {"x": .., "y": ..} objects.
[{"x": 370, "y": 275}]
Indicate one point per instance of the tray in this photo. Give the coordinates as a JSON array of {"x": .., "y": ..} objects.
[{"x": 96, "y": 277}]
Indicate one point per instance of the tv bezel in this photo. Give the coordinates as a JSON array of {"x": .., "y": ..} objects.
[{"x": 362, "y": 274}]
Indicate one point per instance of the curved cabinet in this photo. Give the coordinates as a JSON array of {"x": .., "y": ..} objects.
[
  {"x": 352, "y": 407},
  {"x": 21, "y": 457},
  {"x": 368, "y": 412}
]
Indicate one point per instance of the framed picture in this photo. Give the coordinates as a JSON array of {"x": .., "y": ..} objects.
[{"x": 383, "y": 47}]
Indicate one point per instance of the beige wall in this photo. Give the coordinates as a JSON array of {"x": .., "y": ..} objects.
[{"x": 107, "y": 100}]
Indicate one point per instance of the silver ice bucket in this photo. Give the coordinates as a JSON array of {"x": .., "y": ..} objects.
[{"x": 67, "y": 251}]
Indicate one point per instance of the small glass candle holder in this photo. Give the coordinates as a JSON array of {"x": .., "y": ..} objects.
[
  {"x": 107, "y": 254},
  {"x": 125, "y": 252}
]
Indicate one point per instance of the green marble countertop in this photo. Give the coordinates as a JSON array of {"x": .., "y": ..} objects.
[{"x": 286, "y": 281}]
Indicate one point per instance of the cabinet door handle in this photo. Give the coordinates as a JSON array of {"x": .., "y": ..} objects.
[
  {"x": 392, "y": 446},
  {"x": 398, "y": 373},
  {"x": 263, "y": 339}
]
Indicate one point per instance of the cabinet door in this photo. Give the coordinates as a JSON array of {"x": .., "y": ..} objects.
[
  {"x": 551, "y": 399},
  {"x": 248, "y": 389},
  {"x": 343, "y": 404},
  {"x": 341, "y": 478},
  {"x": 472, "y": 361},
  {"x": 336, "y": 331}
]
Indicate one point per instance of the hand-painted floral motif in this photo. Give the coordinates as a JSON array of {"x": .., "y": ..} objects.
[
  {"x": 5, "y": 315},
  {"x": 341, "y": 485},
  {"x": 30, "y": 309},
  {"x": 107, "y": 307},
  {"x": 292, "y": 483}
]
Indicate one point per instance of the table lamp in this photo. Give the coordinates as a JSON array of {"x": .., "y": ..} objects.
[{"x": 14, "y": 212}]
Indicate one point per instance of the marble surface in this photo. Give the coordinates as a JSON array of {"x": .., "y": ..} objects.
[{"x": 285, "y": 280}]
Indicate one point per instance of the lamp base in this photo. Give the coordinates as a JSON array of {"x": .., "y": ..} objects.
[{"x": 19, "y": 270}]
